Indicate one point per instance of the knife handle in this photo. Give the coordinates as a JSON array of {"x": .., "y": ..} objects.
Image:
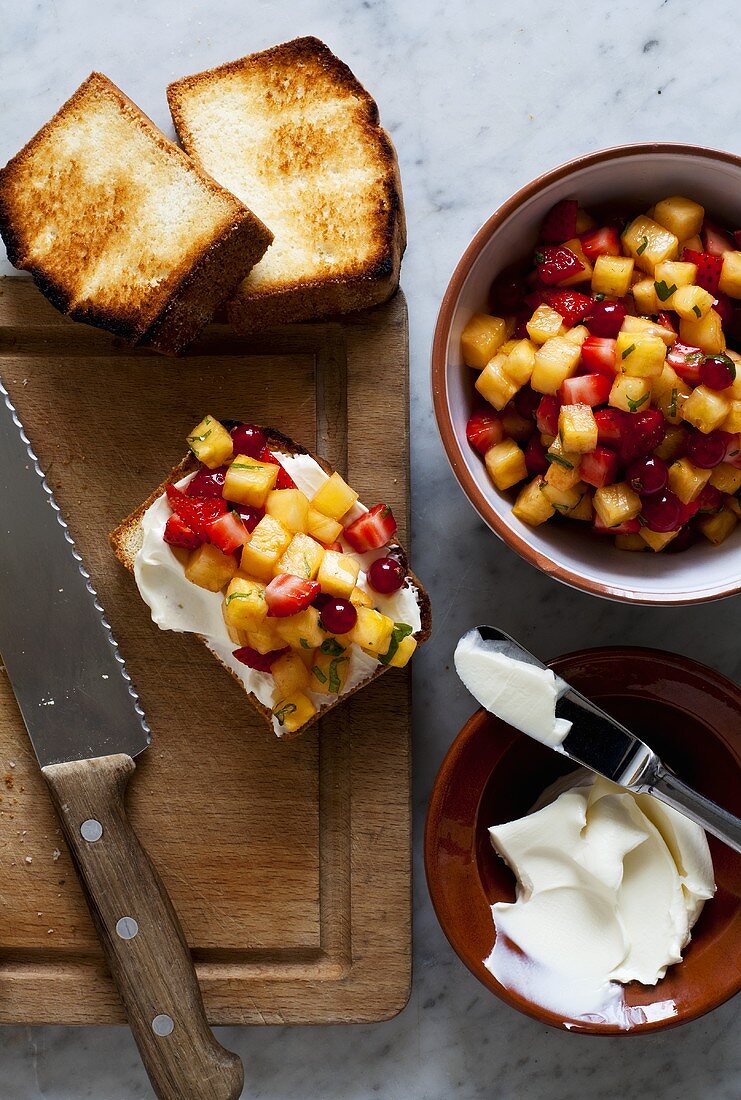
[{"x": 141, "y": 935}]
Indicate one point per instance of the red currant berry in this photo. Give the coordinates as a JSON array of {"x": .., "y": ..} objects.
[
  {"x": 248, "y": 439},
  {"x": 606, "y": 318},
  {"x": 250, "y": 516},
  {"x": 648, "y": 475},
  {"x": 707, "y": 451},
  {"x": 717, "y": 372},
  {"x": 662, "y": 512},
  {"x": 338, "y": 616},
  {"x": 386, "y": 575}
]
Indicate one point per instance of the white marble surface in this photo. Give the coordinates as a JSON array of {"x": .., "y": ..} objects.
[{"x": 480, "y": 97}]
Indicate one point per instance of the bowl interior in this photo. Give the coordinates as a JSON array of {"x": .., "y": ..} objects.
[
  {"x": 494, "y": 774},
  {"x": 629, "y": 176}
]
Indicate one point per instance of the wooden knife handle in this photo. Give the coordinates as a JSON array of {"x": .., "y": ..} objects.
[{"x": 141, "y": 935}]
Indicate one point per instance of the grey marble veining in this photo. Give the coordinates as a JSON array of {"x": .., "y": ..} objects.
[{"x": 480, "y": 97}]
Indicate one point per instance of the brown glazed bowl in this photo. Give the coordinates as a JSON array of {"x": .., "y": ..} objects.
[
  {"x": 633, "y": 174},
  {"x": 692, "y": 716}
]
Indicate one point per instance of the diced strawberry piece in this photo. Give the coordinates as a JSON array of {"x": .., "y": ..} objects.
[
  {"x": 546, "y": 416},
  {"x": 715, "y": 239},
  {"x": 598, "y": 355},
  {"x": 371, "y": 530},
  {"x": 534, "y": 299},
  {"x": 508, "y": 289},
  {"x": 207, "y": 483},
  {"x": 666, "y": 320},
  {"x": 600, "y": 242},
  {"x": 336, "y": 546},
  {"x": 585, "y": 389},
  {"x": 709, "y": 266},
  {"x": 535, "y": 459},
  {"x": 284, "y": 480},
  {"x": 686, "y": 361},
  {"x": 611, "y": 425},
  {"x": 287, "y": 595},
  {"x": 178, "y": 533},
  {"x": 599, "y": 467},
  {"x": 197, "y": 512},
  {"x": 645, "y": 431},
  {"x": 572, "y": 305},
  {"x": 556, "y": 264},
  {"x": 484, "y": 430},
  {"x": 249, "y": 516},
  {"x": 559, "y": 224},
  {"x": 227, "y": 532},
  {"x": 733, "y": 451},
  {"x": 629, "y": 527},
  {"x": 262, "y": 662}
]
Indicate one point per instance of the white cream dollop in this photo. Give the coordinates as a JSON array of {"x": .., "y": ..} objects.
[
  {"x": 176, "y": 604},
  {"x": 522, "y": 695},
  {"x": 609, "y": 885}
]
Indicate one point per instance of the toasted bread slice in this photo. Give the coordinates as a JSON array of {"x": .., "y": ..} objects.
[
  {"x": 127, "y": 539},
  {"x": 119, "y": 228},
  {"x": 293, "y": 131}
]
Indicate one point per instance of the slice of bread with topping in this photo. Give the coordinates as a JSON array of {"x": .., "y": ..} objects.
[
  {"x": 293, "y": 132},
  {"x": 141, "y": 533},
  {"x": 119, "y": 228}
]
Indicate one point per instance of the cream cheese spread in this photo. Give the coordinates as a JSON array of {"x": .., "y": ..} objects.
[
  {"x": 609, "y": 885},
  {"x": 177, "y": 604}
]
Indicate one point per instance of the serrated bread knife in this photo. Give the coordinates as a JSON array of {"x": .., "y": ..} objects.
[
  {"x": 86, "y": 726},
  {"x": 604, "y": 745}
]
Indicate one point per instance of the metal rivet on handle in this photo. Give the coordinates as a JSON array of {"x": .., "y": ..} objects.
[
  {"x": 91, "y": 830},
  {"x": 163, "y": 1025},
  {"x": 126, "y": 928}
]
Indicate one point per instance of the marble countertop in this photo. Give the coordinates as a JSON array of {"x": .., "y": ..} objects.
[{"x": 479, "y": 99}]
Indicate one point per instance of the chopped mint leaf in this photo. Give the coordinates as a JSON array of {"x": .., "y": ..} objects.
[
  {"x": 560, "y": 460},
  {"x": 281, "y": 712},
  {"x": 642, "y": 246},
  {"x": 628, "y": 351},
  {"x": 697, "y": 311},
  {"x": 319, "y": 675},
  {"x": 600, "y": 297},
  {"x": 539, "y": 257},
  {"x": 331, "y": 647},
  {"x": 400, "y": 631},
  {"x": 304, "y": 644},
  {"x": 634, "y": 406},
  {"x": 672, "y": 409},
  {"x": 334, "y": 677},
  {"x": 663, "y": 291}
]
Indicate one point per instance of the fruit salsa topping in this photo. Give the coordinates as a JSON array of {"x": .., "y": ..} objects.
[
  {"x": 610, "y": 393},
  {"x": 296, "y": 602}
]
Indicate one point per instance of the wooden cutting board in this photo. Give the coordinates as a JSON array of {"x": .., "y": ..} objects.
[{"x": 288, "y": 862}]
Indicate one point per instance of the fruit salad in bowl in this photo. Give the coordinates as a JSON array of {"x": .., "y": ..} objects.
[{"x": 603, "y": 397}]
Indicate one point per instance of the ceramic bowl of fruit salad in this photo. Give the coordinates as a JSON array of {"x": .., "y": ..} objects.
[{"x": 587, "y": 373}]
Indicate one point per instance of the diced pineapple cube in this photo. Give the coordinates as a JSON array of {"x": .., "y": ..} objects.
[
  {"x": 680, "y": 216},
  {"x": 577, "y": 335},
  {"x": 211, "y": 443},
  {"x": 544, "y": 324},
  {"x": 640, "y": 355},
  {"x": 671, "y": 403},
  {"x": 404, "y": 651},
  {"x": 557, "y": 360},
  {"x": 649, "y": 328},
  {"x": 673, "y": 443},
  {"x": 209, "y": 568},
  {"x": 244, "y": 603},
  {"x": 290, "y": 674},
  {"x": 615, "y": 504},
  {"x": 322, "y": 527},
  {"x": 481, "y": 339},
  {"x": 732, "y": 422},
  {"x": 507, "y": 346},
  {"x": 267, "y": 542},
  {"x": 329, "y": 671},
  {"x": 584, "y": 222},
  {"x": 338, "y": 573},
  {"x": 335, "y": 497},
  {"x": 577, "y": 428},
  {"x": 612, "y": 275},
  {"x": 532, "y": 505},
  {"x": 725, "y": 477},
  {"x": 646, "y": 298},
  {"x": 705, "y": 333},
  {"x": 630, "y": 542},
  {"x": 293, "y": 711},
  {"x": 372, "y": 631},
  {"x": 564, "y": 466},
  {"x": 734, "y": 505},
  {"x": 302, "y": 557},
  {"x": 657, "y": 540},
  {"x": 264, "y": 639},
  {"x": 506, "y": 464},
  {"x": 649, "y": 243},
  {"x": 495, "y": 385},
  {"x": 520, "y": 362},
  {"x": 686, "y": 480},
  {"x": 564, "y": 500},
  {"x": 290, "y": 507},
  {"x": 583, "y": 510},
  {"x": 706, "y": 409},
  {"x": 730, "y": 275},
  {"x": 581, "y": 276},
  {"x": 359, "y": 598},
  {"x": 301, "y": 631},
  {"x": 629, "y": 394},
  {"x": 717, "y": 528},
  {"x": 248, "y": 481},
  {"x": 673, "y": 273},
  {"x": 692, "y": 302}
]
